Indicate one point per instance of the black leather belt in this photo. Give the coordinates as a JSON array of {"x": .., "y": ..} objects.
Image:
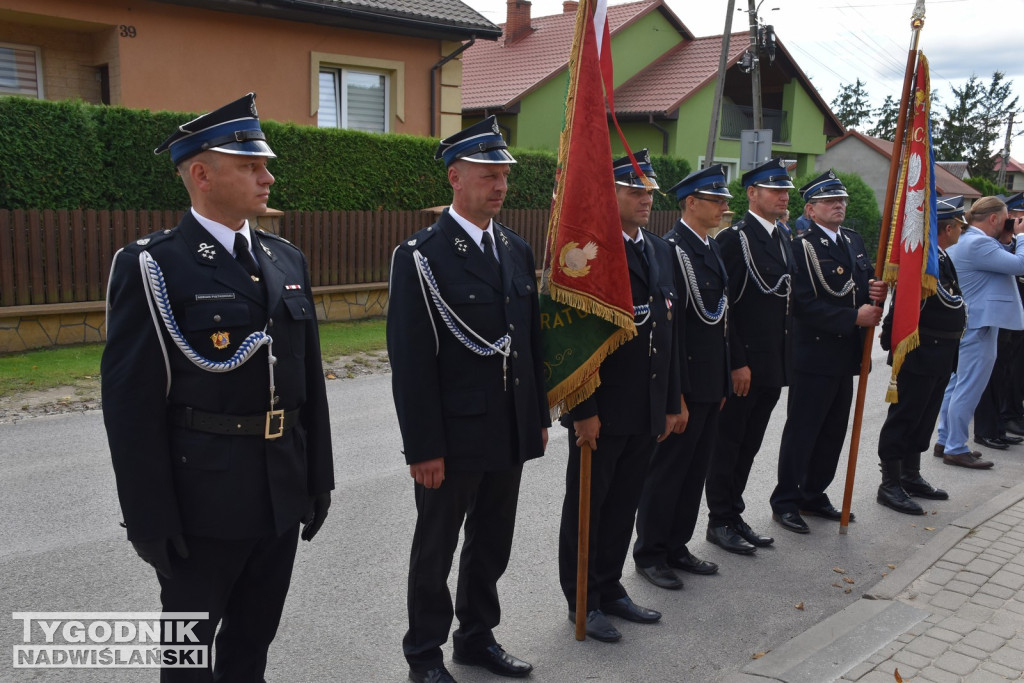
[
  {"x": 941, "y": 334},
  {"x": 269, "y": 425}
]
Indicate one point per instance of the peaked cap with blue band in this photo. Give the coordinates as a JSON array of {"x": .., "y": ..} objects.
[
  {"x": 232, "y": 129},
  {"x": 950, "y": 208},
  {"x": 481, "y": 143},
  {"x": 625, "y": 174},
  {"x": 1015, "y": 202},
  {"x": 771, "y": 173},
  {"x": 709, "y": 182},
  {"x": 825, "y": 186}
]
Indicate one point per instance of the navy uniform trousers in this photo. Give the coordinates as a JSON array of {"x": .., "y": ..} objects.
[
  {"x": 670, "y": 502},
  {"x": 639, "y": 387}
]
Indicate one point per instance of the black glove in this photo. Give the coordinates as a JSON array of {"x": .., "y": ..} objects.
[
  {"x": 314, "y": 519},
  {"x": 155, "y": 553}
]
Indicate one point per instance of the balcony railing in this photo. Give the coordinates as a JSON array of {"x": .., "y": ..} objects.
[{"x": 736, "y": 118}]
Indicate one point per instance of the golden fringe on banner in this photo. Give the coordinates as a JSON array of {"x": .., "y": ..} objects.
[
  {"x": 562, "y": 399},
  {"x": 899, "y": 354}
]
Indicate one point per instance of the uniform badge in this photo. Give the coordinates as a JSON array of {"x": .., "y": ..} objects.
[
  {"x": 460, "y": 245},
  {"x": 293, "y": 286},
  {"x": 266, "y": 250},
  {"x": 504, "y": 240},
  {"x": 848, "y": 240},
  {"x": 143, "y": 242},
  {"x": 840, "y": 270},
  {"x": 411, "y": 243},
  {"x": 207, "y": 251},
  {"x": 824, "y": 241},
  {"x": 221, "y": 340}
]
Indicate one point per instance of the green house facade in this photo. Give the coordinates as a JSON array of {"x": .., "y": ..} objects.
[{"x": 664, "y": 87}]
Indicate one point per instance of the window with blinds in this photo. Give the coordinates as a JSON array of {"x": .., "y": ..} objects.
[
  {"x": 20, "y": 71},
  {"x": 352, "y": 99}
]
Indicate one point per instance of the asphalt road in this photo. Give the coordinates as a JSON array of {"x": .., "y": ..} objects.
[{"x": 61, "y": 550}]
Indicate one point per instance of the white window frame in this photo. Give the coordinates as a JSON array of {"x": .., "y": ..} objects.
[
  {"x": 39, "y": 67},
  {"x": 394, "y": 72},
  {"x": 341, "y": 78}
]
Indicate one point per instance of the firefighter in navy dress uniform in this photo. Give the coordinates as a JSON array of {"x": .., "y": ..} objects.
[
  {"x": 672, "y": 493},
  {"x": 464, "y": 342},
  {"x": 214, "y": 398},
  {"x": 636, "y": 405},
  {"x": 760, "y": 263},
  {"x": 833, "y": 292},
  {"x": 921, "y": 383}
]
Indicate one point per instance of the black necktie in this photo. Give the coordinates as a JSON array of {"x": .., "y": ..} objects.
[
  {"x": 488, "y": 246},
  {"x": 777, "y": 238},
  {"x": 244, "y": 257}
]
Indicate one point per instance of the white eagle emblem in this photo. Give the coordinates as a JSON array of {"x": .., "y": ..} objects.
[{"x": 913, "y": 208}]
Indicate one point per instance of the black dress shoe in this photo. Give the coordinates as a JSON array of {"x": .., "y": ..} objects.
[
  {"x": 727, "y": 538},
  {"x": 626, "y": 609},
  {"x": 688, "y": 562},
  {"x": 1009, "y": 440},
  {"x": 750, "y": 536},
  {"x": 496, "y": 660},
  {"x": 598, "y": 626},
  {"x": 661, "y": 576},
  {"x": 989, "y": 443},
  {"x": 938, "y": 450},
  {"x": 436, "y": 675},
  {"x": 827, "y": 512},
  {"x": 792, "y": 521},
  {"x": 1015, "y": 426}
]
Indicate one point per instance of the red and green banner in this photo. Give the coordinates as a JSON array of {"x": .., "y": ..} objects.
[
  {"x": 912, "y": 259},
  {"x": 586, "y": 304}
]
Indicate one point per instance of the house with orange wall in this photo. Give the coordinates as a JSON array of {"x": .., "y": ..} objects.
[{"x": 380, "y": 65}]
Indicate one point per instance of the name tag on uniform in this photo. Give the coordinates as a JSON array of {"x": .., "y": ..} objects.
[{"x": 215, "y": 297}]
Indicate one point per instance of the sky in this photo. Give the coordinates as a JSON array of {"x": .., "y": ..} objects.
[{"x": 837, "y": 41}]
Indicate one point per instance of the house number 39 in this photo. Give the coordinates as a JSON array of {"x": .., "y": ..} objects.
[{"x": 127, "y": 31}]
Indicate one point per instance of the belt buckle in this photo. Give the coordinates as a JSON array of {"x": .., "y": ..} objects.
[{"x": 271, "y": 416}]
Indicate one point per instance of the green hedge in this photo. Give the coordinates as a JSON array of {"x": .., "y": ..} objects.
[
  {"x": 66, "y": 155},
  {"x": 862, "y": 212}
]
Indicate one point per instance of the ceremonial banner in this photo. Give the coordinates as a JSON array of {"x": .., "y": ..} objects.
[
  {"x": 585, "y": 300},
  {"x": 912, "y": 259}
]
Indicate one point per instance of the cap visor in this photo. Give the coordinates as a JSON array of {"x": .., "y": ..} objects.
[{"x": 490, "y": 156}]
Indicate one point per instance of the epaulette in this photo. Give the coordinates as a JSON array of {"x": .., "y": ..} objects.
[
  {"x": 152, "y": 238},
  {"x": 419, "y": 237},
  {"x": 264, "y": 233}
]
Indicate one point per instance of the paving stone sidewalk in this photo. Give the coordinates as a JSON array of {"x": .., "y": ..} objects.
[
  {"x": 975, "y": 630},
  {"x": 952, "y": 613}
]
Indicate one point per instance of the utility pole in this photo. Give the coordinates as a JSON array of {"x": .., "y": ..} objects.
[
  {"x": 1001, "y": 178},
  {"x": 716, "y": 107},
  {"x": 755, "y": 71}
]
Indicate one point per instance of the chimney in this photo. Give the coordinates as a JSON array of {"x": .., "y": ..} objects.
[
  {"x": 517, "y": 25},
  {"x": 570, "y": 6}
]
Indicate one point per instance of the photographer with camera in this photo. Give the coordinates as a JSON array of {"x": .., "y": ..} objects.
[{"x": 987, "y": 274}]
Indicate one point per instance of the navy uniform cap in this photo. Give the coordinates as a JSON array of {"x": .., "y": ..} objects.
[
  {"x": 1015, "y": 202},
  {"x": 771, "y": 173},
  {"x": 480, "y": 143},
  {"x": 950, "y": 208},
  {"x": 825, "y": 186},
  {"x": 625, "y": 174},
  {"x": 709, "y": 182},
  {"x": 232, "y": 129}
]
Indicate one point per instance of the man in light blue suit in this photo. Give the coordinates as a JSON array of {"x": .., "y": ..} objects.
[{"x": 987, "y": 274}]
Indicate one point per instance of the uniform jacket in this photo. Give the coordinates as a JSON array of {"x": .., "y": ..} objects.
[
  {"x": 986, "y": 272},
  {"x": 760, "y": 325},
  {"x": 174, "y": 480},
  {"x": 640, "y": 379},
  {"x": 451, "y": 402},
  {"x": 704, "y": 349},
  {"x": 939, "y": 328},
  {"x": 826, "y": 338}
]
